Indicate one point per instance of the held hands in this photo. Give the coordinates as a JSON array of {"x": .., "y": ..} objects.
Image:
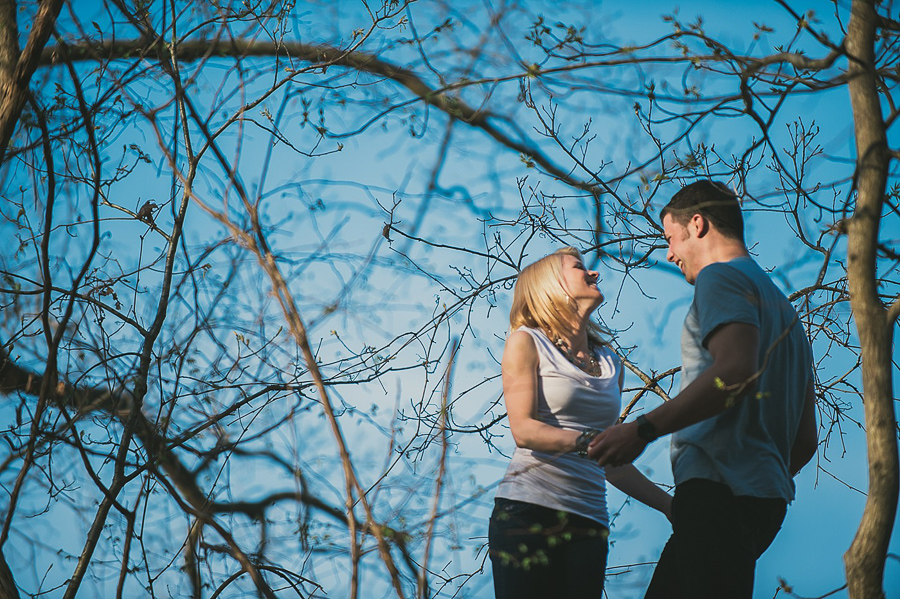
[{"x": 617, "y": 445}]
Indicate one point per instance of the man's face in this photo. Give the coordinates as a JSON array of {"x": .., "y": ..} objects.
[{"x": 682, "y": 240}]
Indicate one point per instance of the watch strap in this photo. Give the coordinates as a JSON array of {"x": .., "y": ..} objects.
[{"x": 645, "y": 429}]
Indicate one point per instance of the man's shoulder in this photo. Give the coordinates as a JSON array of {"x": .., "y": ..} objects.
[
  {"x": 725, "y": 292},
  {"x": 742, "y": 267},
  {"x": 740, "y": 273}
]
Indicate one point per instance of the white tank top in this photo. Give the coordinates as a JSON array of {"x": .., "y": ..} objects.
[{"x": 568, "y": 398}]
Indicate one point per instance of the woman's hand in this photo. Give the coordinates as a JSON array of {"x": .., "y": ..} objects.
[{"x": 630, "y": 481}]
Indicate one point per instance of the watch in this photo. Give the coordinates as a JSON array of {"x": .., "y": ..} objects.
[{"x": 645, "y": 429}]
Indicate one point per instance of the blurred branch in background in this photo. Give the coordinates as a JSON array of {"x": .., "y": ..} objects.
[{"x": 251, "y": 247}]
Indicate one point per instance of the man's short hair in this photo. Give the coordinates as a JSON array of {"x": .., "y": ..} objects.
[{"x": 713, "y": 201}]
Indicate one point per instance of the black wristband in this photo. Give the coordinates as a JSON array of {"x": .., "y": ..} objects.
[
  {"x": 583, "y": 440},
  {"x": 646, "y": 430}
]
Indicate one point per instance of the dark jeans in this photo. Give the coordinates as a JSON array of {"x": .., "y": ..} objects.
[
  {"x": 538, "y": 552},
  {"x": 717, "y": 538}
]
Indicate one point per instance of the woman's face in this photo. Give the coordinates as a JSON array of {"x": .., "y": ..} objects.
[{"x": 580, "y": 284}]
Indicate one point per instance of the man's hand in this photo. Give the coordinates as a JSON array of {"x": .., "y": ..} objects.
[{"x": 617, "y": 445}]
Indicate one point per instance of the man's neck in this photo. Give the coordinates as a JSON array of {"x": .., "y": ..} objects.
[{"x": 725, "y": 250}]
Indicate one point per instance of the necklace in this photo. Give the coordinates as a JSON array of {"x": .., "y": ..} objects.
[{"x": 590, "y": 366}]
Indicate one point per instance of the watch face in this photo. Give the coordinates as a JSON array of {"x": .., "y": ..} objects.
[{"x": 645, "y": 429}]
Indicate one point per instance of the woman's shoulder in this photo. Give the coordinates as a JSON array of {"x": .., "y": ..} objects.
[
  {"x": 605, "y": 353},
  {"x": 534, "y": 337},
  {"x": 531, "y": 332},
  {"x": 521, "y": 350},
  {"x": 523, "y": 337}
]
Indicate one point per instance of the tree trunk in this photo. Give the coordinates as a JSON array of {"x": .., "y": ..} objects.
[
  {"x": 865, "y": 559},
  {"x": 8, "y": 588},
  {"x": 16, "y": 69}
]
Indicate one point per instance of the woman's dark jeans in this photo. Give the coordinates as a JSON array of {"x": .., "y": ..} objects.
[{"x": 538, "y": 552}]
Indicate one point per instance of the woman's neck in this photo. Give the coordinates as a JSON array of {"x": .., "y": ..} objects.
[{"x": 576, "y": 340}]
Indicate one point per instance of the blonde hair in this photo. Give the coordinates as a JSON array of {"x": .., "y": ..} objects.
[{"x": 540, "y": 301}]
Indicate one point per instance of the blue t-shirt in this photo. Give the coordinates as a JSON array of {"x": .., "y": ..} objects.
[{"x": 748, "y": 446}]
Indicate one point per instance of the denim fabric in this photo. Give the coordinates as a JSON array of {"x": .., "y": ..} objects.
[
  {"x": 717, "y": 538},
  {"x": 539, "y": 552}
]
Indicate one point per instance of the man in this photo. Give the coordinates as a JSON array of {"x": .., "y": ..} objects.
[{"x": 743, "y": 423}]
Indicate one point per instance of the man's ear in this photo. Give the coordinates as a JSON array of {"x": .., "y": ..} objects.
[{"x": 700, "y": 224}]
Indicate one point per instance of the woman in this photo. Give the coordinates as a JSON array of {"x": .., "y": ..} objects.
[{"x": 562, "y": 384}]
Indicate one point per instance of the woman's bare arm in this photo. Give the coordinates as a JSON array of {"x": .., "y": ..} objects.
[{"x": 520, "y": 389}]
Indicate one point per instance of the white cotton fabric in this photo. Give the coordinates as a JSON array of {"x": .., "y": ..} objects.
[{"x": 568, "y": 398}]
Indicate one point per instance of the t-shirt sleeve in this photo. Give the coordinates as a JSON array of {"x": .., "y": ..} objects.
[{"x": 723, "y": 294}]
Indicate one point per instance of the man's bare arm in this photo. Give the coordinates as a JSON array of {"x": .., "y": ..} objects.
[
  {"x": 807, "y": 439},
  {"x": 734, "y": 348},
  {"x": 735, "y": 351}
]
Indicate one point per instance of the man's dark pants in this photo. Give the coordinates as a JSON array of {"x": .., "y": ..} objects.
[{"x": 717, "y": 538}]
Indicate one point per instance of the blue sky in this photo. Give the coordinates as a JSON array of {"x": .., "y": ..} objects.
[{"x": 328, "y": 213}]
